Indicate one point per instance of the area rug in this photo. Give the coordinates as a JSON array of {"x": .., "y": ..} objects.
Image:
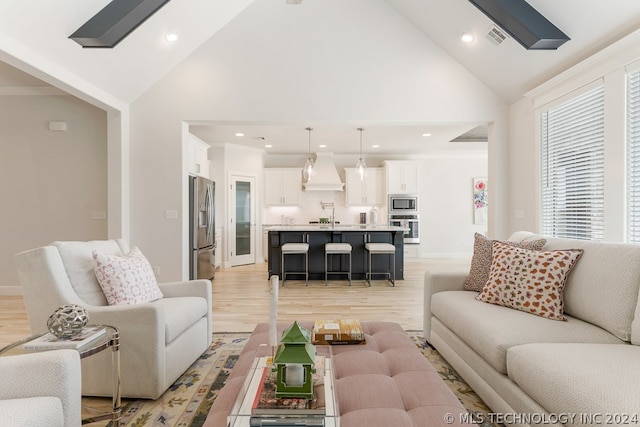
[{"x": 188, "y": 400}]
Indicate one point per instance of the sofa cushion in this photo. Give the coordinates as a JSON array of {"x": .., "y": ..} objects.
[
  {"x": 482, "y": 257},
  {"x": 127, "y": 279},
  {"x": 77, "y": 258},
  {"x": 476, "y": 323},
  {"x": 180, "y": 314},
  {"x": 529, "y": 281},
  {"x": 580, "y": 378},
  {"x": 607, "y": 275}
]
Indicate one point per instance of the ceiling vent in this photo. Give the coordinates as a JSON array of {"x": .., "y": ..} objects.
[
  {"x": 114, "y": 22},
  {"x": 522, "y": 22},
  {"x": 496, "y": 36}
]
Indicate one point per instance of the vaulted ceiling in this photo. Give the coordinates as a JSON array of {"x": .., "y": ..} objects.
[{"x": 34, "y": 39}]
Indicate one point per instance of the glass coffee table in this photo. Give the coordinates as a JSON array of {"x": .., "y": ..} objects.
[
  {"x": 110, "y": 339},
  {"x": 241, "y": 414}
]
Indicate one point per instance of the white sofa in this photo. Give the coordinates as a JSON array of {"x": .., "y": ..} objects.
[
  {"x": 532, "y": 370},
  {"x": 40, "y": 389},
  {"x": 159, "y": 340}
]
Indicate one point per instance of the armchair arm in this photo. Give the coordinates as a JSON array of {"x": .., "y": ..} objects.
[
  {"x": 52, "y": 373},
  {"x": 445, "y": 278},
  {"x": 188, "y": 288},
  {"x": 191, "y": 288}
]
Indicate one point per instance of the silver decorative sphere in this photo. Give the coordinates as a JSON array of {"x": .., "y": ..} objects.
[{"x": 67, "y": 321}]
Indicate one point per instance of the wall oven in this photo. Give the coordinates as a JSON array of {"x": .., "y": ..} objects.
[
  {"x": 409, "y": 221},
  {"x": 403, "y": 204}
]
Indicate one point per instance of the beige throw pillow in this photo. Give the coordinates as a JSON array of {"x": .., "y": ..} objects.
[
  {"x": 126, "y": 279},
  {"x": 481, "y": 261},
  {"x": 529, "y": 281}
]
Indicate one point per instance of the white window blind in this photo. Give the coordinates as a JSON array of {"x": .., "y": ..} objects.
[
  {"x": 572, "y": 167},
  {"x": 633, "y": 157}
]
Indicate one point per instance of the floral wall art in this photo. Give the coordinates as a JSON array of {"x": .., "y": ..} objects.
[{"x": 480, "y": 201}]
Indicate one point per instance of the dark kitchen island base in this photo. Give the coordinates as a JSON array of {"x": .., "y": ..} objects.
[{"x": 317, "y": 237}]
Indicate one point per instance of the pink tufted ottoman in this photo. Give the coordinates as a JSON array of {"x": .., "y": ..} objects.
[{"x": 386, "y": 382}]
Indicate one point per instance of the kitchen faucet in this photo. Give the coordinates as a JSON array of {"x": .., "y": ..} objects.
[{"x": 333, "y": 211}]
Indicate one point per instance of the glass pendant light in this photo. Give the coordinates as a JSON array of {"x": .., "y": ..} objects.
[
  {"x": 307, "y": 170},
  {"x": 361, "y": 166}
]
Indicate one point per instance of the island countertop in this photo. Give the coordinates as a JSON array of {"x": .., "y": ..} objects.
[
  {"x": 337, "y": 227},
  {"x": 317, "y": 235}
]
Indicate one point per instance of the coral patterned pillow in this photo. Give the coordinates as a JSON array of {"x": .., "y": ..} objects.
[
  {"x": 126, "y": 279},
  {"x": 530, "y": 281},
  {"x": 481, "y": 261}
]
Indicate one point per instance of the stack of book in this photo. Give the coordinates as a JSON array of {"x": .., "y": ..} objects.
[
  {"x": 51, "y": 342},
  {"x": 327, "y": 332},
  {"x": 289, "y": 411}
]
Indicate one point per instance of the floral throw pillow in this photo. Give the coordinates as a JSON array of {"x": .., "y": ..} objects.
[
  {"x": 530, "y": 281},
  {"x": 126, "y": 279},
  {"x": 481, "y": 261}
]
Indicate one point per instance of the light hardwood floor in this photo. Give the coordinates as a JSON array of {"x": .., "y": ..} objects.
[{"x": 241, "y": 300}]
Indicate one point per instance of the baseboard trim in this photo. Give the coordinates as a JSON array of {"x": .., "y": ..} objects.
[{"x": 11, "y": 290}]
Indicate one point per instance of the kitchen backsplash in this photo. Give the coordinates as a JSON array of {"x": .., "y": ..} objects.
[{"x": 310, "y": 209}]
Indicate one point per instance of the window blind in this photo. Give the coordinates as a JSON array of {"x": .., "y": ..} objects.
[
  {"x": 633, "y": 157},
  {"x": 572, "y": 167}
]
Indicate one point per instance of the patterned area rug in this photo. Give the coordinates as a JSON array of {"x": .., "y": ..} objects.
[{"x": 189, "y": 399}]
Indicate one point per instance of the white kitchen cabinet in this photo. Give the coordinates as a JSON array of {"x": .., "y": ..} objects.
[
  {"x": 282, "y": 186},
  {"x": 367, "y": 192},
  {"x": 402, "y": 177},
  {"x": 198, "y": 158}
]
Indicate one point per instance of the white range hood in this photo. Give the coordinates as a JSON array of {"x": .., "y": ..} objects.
[{"x": 325, "y": 175}]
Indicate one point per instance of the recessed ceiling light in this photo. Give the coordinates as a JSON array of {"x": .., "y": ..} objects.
[
  {"x": 268, "y": 146},
  {"x": 467, "y": 37},
  {"x": 322, "y": 146},
  {"x": 375, "y": 146},
  {"x": 172, "y": 36},
  {"x": 426, "y": 134},
  {"x": 238, "y": 134}
]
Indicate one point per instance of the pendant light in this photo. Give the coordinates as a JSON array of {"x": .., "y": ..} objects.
[
  {"x": 307, "y": 170},
  {"x": 361, "y": 166}
]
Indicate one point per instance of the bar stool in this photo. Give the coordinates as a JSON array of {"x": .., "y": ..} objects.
[
  {"x": 295, "y": 249},
  {"x": 381, "y": 249},
  {"x": 336, "y": 249}
]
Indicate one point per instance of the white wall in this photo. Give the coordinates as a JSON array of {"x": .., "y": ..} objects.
[
  {"x": 50, "y": 182},
  {"x": 296, "y": 70}
]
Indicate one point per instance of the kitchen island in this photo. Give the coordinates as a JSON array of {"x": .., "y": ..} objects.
[{"x": 318, "y": 235}]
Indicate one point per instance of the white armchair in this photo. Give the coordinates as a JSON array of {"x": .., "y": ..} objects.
[
  {"x": 41, "y": 389},
  {"x": 159, "y": 340}
]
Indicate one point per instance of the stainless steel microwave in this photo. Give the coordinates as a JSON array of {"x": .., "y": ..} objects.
[{"x": 403, "y": 203}]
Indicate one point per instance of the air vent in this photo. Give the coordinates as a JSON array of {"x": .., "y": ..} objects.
[
  {"x": 496, "y": 36},
  {"x": 522, "y": 22}
]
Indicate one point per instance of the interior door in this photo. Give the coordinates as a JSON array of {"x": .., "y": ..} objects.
[{"x": 242, "y": 218}]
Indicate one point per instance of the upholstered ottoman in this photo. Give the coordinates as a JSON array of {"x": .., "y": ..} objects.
[{"x": 385, "y": 382}]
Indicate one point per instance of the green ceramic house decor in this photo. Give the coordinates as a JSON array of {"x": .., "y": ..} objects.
[{"x": 295, "y": 363}]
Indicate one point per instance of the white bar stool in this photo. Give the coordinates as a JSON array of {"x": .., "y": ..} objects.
[
  {"x": 336, "y": 249},
  {"x": 295, "y": 249},
  {"x": 381, "y": 249}
]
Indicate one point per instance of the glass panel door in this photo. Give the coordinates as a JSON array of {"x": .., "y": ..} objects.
[{"x": 243, "y": 220}]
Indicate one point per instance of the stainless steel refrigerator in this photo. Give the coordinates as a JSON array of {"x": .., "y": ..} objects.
[{"x": 202, "y": 226}]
